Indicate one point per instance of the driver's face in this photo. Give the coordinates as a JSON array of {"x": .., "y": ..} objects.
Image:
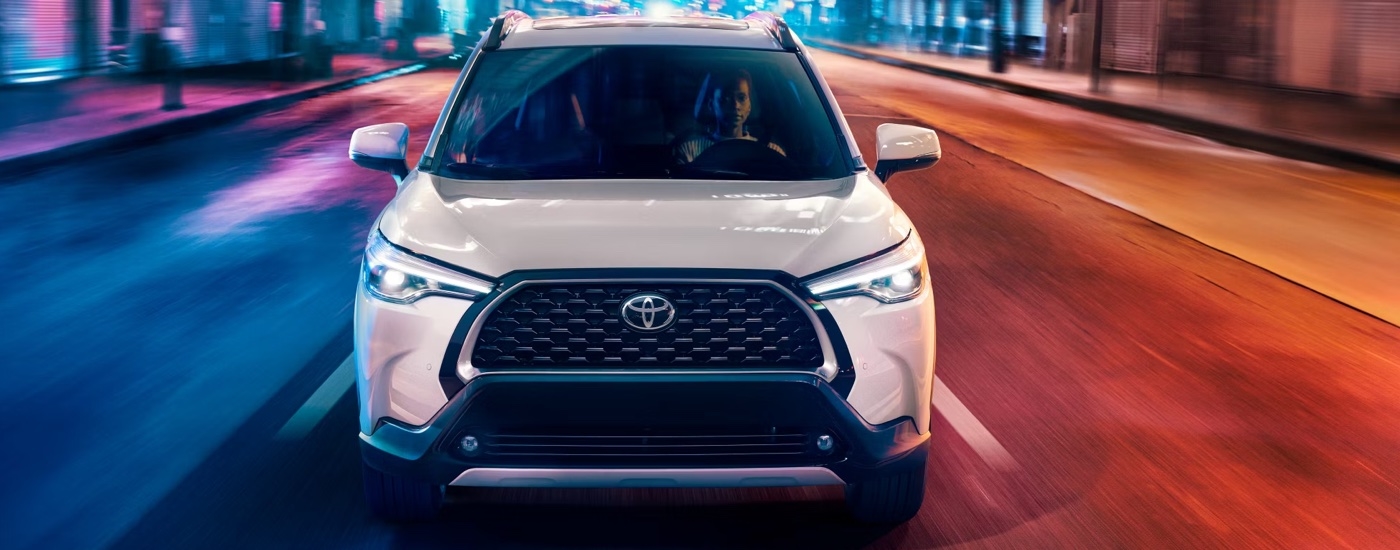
[{"x": 732, "y": 104}]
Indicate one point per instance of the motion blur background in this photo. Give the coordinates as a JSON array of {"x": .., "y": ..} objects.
[
  {"x": 1168, "y": 280},
  {"x": 1333, "y": 46}
]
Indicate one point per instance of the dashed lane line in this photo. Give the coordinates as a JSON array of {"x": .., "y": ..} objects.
[
  {"x": 319, "y": 404},
  {"x": 970, "y": 428}
]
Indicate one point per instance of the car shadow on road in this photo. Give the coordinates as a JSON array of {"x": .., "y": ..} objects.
[{"x": 649, "y": 518}]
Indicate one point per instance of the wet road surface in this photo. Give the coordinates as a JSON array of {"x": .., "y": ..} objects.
[
  {"x": 180, "y": 303},
  {"x": 1334, "y": 231}
]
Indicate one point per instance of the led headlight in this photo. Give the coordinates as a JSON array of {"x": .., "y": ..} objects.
[
  {"x": 395, "y": 276},
  {"x": 893, "y": 277}
]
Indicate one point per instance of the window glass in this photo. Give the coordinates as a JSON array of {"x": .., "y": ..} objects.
[{"x": 642, "y": 112}]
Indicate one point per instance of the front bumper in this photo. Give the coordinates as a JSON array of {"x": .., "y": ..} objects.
[
  {"x": 412, "y": 359},
  {"x": 643, "y": 429}
]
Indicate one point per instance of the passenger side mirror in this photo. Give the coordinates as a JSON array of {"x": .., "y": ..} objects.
[
  {"x": 382, "y": 147},
  {"x": 904, "y": 148}
]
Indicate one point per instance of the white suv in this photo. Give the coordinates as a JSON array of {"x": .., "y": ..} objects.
[{"x": 643, "y": 252}]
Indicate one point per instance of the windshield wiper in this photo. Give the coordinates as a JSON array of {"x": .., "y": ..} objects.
[
  {"x": 691, "y": 172},
  {"x": 485, "y": 171}
]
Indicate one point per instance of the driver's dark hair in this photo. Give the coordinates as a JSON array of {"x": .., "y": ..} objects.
[{"x": 733, "y": 76}]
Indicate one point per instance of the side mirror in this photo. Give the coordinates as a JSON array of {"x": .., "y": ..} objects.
[
  {"x": 903, "y": 148},
  {"x": 382, "y": 147}
]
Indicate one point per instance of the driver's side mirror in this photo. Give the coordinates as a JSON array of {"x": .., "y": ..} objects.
[
  {"x": 382, "y": 147},
  {"x": 904, "y": 148}
]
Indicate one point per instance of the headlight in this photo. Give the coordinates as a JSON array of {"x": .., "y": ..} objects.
[
  {"x": 395, "y": 276},
  {"x": 893, "y": 277}
]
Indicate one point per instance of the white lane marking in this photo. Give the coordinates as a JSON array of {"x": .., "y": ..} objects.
[
  {"x": 320, "y": 402},
  {"x": 970, "y": 428}
]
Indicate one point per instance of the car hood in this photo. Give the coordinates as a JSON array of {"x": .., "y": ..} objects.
[{"x": 494, "y": 228}]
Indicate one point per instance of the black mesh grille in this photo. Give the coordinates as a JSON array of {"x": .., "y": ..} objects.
[
  {"x": 655, "y": 448},
  {"x": 717, "y": 325}
]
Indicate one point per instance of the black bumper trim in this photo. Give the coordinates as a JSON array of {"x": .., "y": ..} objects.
[{"x": 425, "y": 453}]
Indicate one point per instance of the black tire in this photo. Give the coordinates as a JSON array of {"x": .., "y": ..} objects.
[
  {"x": 402, "y": 500},
  {"x": 893, "y": 496}
]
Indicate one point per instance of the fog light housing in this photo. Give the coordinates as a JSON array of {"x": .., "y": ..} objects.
[
  {"x": 470, "y": 445},
  {"x": 825, "y": 443}
]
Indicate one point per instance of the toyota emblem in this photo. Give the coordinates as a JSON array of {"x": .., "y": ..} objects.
[{"x": 648, "y": 312}]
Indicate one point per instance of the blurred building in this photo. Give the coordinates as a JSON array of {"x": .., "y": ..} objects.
[
  {"x": 1342, "y": 46},
  {"x": 416, "y": 16},
  {"x": 47, "y": 39}
]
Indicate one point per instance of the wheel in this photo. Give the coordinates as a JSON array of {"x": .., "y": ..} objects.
[
  {"x": 398, "y": 499},
  {"x": 892, "y": 496}
]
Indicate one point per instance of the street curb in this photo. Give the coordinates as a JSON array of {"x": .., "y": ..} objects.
[
  {"x": 1273, "y": 144},
  {"x": 145, "y": 135}
]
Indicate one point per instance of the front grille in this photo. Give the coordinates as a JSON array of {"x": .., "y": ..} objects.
[
  {"x": 579, "y": 325},
  {"x": 729, "y": 447}
]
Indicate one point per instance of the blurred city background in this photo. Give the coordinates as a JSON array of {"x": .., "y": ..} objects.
[
  {"x": 1336, "y": 46},
  {"x": 1317, "y": 70},
  {"x": 1164, "y": 238}
]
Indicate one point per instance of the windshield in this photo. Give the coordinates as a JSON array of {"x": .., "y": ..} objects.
[{"x": 642, "y": 112}]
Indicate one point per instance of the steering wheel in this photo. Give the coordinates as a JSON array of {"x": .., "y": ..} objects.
[{"x": 753, "y": 158}]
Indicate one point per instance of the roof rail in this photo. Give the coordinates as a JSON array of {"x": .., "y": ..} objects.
[
  {"x": 504, "y": 23},
  {"x": 776, "y": 26}
]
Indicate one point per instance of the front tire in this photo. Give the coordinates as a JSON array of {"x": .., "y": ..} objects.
[
  {"x": 400, "y": 499},
  {"x": 893, "y": 496}
]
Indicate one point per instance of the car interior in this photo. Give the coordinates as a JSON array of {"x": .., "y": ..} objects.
[{"x": 622, "y": 114}]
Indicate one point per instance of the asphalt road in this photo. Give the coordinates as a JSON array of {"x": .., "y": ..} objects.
[{"x": 173, "y": 307}]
